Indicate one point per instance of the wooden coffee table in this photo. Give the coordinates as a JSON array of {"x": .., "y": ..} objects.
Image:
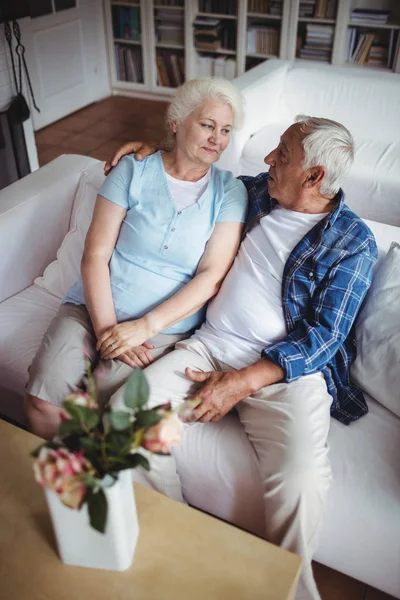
[{"x": 182, "y": 554}]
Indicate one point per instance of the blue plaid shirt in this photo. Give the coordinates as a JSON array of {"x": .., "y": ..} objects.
[{"x": 325, "y": 280}]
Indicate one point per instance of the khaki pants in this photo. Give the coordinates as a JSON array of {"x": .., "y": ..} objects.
[
  {"x": 287, "y": 425},
  {"x": 59, "y": 365}
]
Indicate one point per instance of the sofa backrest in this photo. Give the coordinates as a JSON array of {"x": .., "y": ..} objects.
[{"x": 366, "y": 102}]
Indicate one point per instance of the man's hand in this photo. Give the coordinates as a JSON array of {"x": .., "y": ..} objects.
[
  {"x": 138, "y": 357},
  {"x": 139, "y": 149},
  {"x": 122, "y": 338},
  {"x": 219, "y": 393}
]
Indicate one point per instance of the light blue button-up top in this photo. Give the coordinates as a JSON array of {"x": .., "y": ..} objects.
[{"x": 159, "y": 248}]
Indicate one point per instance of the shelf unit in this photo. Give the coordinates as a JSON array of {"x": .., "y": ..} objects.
[
  {"x": 166, "y": 30},
  {"x": 384, "y": 32},
  {"x": 266, "y": 28}
]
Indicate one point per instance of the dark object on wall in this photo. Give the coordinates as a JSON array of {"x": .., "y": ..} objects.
[
  {"x": 13, "y": 152},
  {"x": 40, "y": 8},
  {"x": 64, "y": 4},
  {"x": 19, "y": 107},
  {"x": 17, "y": 9},
  {"x": 14, "y": 9}
]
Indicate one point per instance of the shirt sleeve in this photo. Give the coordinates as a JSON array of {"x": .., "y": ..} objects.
[
  {"x": 117, "y": 184},
  {"x": 332, "y": 312},
  {"x": 234, "y": 205}
]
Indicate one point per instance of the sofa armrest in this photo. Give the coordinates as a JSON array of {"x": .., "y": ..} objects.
[
  {"x": 35, "y": 215},
  {"x": 261, "y": 88}
]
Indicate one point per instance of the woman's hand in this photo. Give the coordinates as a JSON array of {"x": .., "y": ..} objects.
[
  {"x": 139, "y": 149},
  {"x": 138, "y": 357},
  {"x": 122, "y": 338}
]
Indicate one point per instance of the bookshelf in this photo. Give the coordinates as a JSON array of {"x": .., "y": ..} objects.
[
  {"x": 370, "y": 34},
  {"x": 154, "y": 45},
  {"x": 216, "y": 38},
  {"x": 267, "y": 27}
]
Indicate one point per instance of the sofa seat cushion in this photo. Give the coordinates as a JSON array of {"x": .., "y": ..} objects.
[
  {"x": 23, "y": 320},
  {"x": 219, "y": 474},
  {"x": 372, "y": 189}
]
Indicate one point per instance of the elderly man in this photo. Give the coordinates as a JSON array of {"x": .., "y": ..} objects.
[{"x": 278, "y": 339}]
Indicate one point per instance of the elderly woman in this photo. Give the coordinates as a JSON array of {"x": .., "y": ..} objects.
[{"x": 164, "y": 234}]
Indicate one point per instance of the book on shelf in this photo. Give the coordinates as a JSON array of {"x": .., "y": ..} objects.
[
  {"x": 128, "y": 63},
  {"x": 170, "y": 2},
  {"x": 262, "y": 40},
  {"x": 214, "y": 34},
  {"x": 360, "y": 54},
  {"x": 222, "y": 7},
  {"x": 317, "y": 9},
  {"x": 220, "y": 66},
  {"x": 170, "y": 69},
  {"x": 258, "y": 6},
  {"x": 170, "y": 35},
  {"x": 307, "y": 8},
  {"x": 126, "y": 22},
  {"x": 318, "y": 42},
  {"x": 265, "y": 7},
  {"x": 169, "y": 27},
  {"x": 369, "y": 15}
]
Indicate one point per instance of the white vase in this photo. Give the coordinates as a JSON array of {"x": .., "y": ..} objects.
[{"x": 81, "y": 545}]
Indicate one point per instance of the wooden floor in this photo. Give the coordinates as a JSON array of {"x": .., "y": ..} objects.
[{"x": 97, "y": 131}]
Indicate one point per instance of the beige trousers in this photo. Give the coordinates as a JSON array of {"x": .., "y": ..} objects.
[
  {"x": 287, "y": 425},
  {"x": 58, "y": 367}
]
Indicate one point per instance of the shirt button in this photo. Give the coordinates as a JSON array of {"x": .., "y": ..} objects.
[
  {"x": 173, "y": 229},
  {"x": 311, "y": 275},
  {"x": 179, "y": 212},
  {"x": 165, "y": 247}
]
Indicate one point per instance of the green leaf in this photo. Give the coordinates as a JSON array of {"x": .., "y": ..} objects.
[
  {"x": 138, "y": 460},
  {"x": 119, "y": 420},
  {"x": 71, "y": 409},
  {"x": 83, "y": 414},
  {"x": 67, "y": 427},
  {"x": 118, "y": 440},
  {"x": 90, "y": 443},
  {"x": 97, "y": 505},
  {"x": 147, "y": 418},
  {"x": 136, "y": 390}
]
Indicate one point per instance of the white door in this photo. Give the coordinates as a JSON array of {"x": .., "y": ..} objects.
[{"x": 67, "y": 60}]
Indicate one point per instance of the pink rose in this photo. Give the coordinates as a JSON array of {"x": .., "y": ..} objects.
[
  {"x": 61, "y": 471},
  {"x": 80, "y": 399},
  {"x": 159, "y": 438}
]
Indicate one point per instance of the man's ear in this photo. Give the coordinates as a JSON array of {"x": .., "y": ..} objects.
[
  {"x": 314, "y": 177},
  {"x": 173, "y": 126}
]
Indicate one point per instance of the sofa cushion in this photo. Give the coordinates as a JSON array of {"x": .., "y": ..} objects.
[
  {"x": 377, "y": 366},
  {"x": 23, "y": 320},
  {"x": 62, "y": 273},
  {"x": 372, "y": 188}
]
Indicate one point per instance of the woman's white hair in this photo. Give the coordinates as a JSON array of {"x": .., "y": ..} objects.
[
  {"x": 327, "y": 144},
  {"x": 192, "y": 93}
]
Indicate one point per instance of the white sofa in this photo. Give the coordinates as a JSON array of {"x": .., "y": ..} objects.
[
  {"x": 49, "y": 211},
  {"x": 366, "y": 102}
]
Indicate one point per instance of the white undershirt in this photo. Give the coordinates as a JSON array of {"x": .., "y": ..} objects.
[
  {"x": 185, "y": 193},
  {"x": 247, "y": 315}
]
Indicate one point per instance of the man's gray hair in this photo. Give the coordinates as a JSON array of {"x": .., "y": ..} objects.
[
  {"x": 192, "y": 93},
  {"x": 327, "y": 144}
]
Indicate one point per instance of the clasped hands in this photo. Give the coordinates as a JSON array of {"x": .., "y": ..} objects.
[{"x": 128, "y": 342}]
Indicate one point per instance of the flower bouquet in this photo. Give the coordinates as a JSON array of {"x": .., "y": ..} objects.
[{"x": 90, "y": 458}]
